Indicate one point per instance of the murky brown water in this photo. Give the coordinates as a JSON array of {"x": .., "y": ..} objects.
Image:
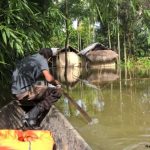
[
  {"x": 119, "y": 100},
  {"x": 121, "y": 103}
]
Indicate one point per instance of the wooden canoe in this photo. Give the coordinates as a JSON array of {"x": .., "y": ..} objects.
[{"x": 65, "y": 135}]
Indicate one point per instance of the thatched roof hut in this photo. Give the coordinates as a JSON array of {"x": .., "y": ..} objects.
[
  {"x": 92, "y": 47},
  {"x": 102, "y": 56},
  {"x": 97, "y": 52}
]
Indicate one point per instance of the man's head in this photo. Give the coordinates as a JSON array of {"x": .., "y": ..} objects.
[{"x": 46, "y": 52}]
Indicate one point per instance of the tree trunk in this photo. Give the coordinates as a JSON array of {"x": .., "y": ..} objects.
[
  {"x": 118, "y": 33},
  {"x": 67, "y": 39},
  {"x": 109, "y": 36},
  {"x": 125, "y": 51}
]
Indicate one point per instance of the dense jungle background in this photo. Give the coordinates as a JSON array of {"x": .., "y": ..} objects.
[{"x": 27, "y": 25}]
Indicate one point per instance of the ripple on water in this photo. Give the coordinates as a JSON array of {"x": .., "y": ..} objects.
[{"x": 139, "y": 146}]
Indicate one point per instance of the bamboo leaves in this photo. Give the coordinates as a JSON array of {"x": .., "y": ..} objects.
[
  {"x": 148, "y": 39},
  {"x": 11, "y": 39},
  {"x": 4, "y": 36},
  {"x": 24, "y": 27}
]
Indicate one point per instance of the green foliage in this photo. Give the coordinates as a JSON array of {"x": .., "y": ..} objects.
[
  {"x": 27, "y": 25},
  {"x": 24, "y": 28},
  {"x": 143, "y": 62},
  {"x": 138, "y": 63}
]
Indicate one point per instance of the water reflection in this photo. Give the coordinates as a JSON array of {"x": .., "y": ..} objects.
[
  {"x": 72, "y": 75},
  {"x": 100, "y": 77},
  {"x": 82, "y": 104},
  {"x": 85, "y": 81},
  {"x": 98, "y": 104},
  {"x": 121, "y": 102},
  {"x": 66, "y": 106}
]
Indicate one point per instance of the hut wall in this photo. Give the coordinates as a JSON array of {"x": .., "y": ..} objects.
[{"x": 73, "y": 59}]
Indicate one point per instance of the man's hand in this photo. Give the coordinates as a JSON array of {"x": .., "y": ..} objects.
[
  {"x": 58, "y": 85},
  {"x": 57, "y": 82}
]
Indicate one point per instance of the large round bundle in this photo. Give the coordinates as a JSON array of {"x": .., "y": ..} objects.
[
  {"x": 73, "y": 59},
  {"x": 102, "y": 56},
  {"x": 73, "y": 74}
]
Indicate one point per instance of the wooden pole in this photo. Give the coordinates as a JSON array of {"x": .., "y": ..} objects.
[{"x": 82, "y": 111}]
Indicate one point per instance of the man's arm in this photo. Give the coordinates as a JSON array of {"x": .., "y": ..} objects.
[{"x": 49, "y": 78}]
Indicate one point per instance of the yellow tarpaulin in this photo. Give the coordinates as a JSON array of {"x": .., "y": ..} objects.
[{"x": 26, "y": 140}]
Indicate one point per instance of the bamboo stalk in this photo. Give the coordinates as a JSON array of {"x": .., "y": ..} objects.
[{"x": 118, "y": 32}]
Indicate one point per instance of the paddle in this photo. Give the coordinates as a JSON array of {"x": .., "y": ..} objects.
[{"x": 82, "y": 111}]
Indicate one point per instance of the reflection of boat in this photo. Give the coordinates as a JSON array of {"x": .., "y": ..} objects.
[
  {"x": 72, "y": 74},
  {"x": 65, "y": 136}
]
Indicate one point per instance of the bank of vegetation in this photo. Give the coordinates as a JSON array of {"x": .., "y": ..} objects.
[{"x": 27, "y": 25}]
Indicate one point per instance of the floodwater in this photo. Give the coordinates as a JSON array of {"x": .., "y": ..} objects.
[{"x": 119, "y": 100}]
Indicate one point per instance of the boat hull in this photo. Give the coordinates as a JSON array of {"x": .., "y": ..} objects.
[{"x": 64, "y": 134}]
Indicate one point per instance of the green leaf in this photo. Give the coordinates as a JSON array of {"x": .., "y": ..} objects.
[
  {"x": 12, "y": 43},
  {"x": 1, "y": 27},
  {"x": 19, "y": 48},
  {"x": 27, "y": 8},
  {"x": 148, "y": 39},
  {"x": 13, "y": 35},
  {"x": 7, "y": 32},
  {"x": 4, "y": 37},
  {"x": 2, "y": 62},
  {"x": 147, "y": 12},
  {"x": 19, "y": 18}
]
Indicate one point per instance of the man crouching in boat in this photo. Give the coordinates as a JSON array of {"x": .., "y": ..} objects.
[{"x": 25, "y": 85}]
